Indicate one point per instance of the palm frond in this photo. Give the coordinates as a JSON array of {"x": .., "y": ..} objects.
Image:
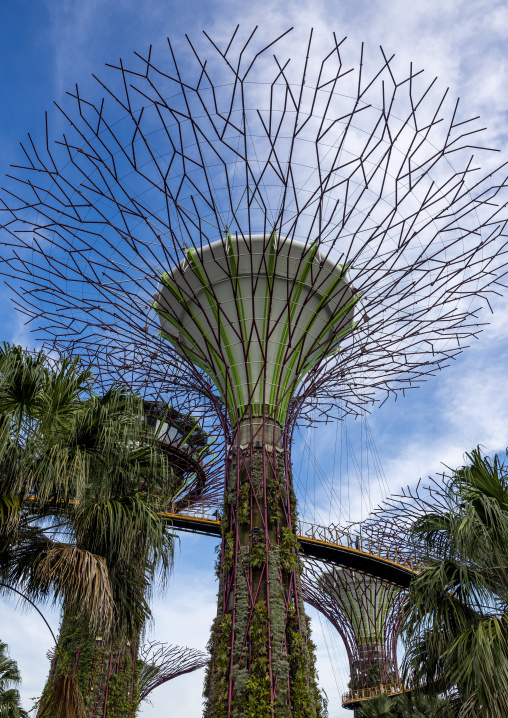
[
  {"x": 9, "y": 672},
  {"x": 48, "y": 570},
  {"x": 63, "y": 699},
  {"x": 455, "y": 623},
  {"x": 82, "y": 578}
]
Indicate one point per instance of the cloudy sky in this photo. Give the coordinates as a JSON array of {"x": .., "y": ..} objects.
[{"x": 47, "y": 47}]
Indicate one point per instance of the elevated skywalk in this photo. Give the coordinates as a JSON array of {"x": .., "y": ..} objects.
[
  {"x": 319, "y": 542},
  {"x": 352, "y": 698}
]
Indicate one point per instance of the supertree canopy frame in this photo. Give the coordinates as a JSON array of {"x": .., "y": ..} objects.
[
  {"x": 162, "y": 663},
  {"x": 192, "y": 453},
  {"x": 271, "y": 244},
  {"x": 366, "y": 612}
]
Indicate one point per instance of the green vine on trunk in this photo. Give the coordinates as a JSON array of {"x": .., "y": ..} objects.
[
  {"x": 229, "y": 552},
  {"x": 259, "y": 704},
  {"x": 219, "y": 647},
  {"x": 258, "y": 554},
  {"x": 273, "y": 499},
  {"x": 243, "y": 509},
  {"x": 289, "y": 548},
  {"x": 81, "y": 652},
  {"x": 304, "y": 689}
]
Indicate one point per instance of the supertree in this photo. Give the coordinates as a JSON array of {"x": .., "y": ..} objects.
[
  {"x": 162, "y": 663},
  {"x": 275, "y": 244},
  {"x": 193, "y": 455},
  {"x": 366, "y": 612}
]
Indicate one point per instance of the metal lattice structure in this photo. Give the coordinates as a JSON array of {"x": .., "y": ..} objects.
[
  {"x": 366, "y": 612},
  {"x": 393, "y": 520},
  {"x": 267, "y": 244},
  {"x": 163, "y": 662},
  {"x": 196, "y": 456}
]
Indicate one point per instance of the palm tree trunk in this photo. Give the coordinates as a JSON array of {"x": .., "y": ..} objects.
[{"x": 106, "y": 671}]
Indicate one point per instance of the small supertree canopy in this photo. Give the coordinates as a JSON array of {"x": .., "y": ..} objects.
[
  {"x": 377, "y": 169},
  {"x": 366, "y": 612},
  {"x": 162, "y": 662}
]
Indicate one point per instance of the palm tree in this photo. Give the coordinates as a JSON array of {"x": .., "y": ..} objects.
[
  {"x": 9, "y": 697},
  {"x": 456, "y": 618},
  {"x": 38, "y": 477},
  {"x": 376, "y": 707},
  {"x": 83, "y": 479},
  {"x": 408, "y": 705},
  {"x": 421, "y": 705},
  {"x": 117, "y": 518}
]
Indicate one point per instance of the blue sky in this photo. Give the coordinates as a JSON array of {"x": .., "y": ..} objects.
[{"x": 47, "y": 47}]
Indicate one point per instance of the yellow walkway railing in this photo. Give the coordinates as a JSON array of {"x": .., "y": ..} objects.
[
  {"x": 308, "y": 534},
  {"x": 203, "y": 518},
  {"x": 356, "y": 543},
  {"x": 363, "y": 694}
]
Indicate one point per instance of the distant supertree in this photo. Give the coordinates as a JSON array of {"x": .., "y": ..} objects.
[
  {"x": 366, "y": 611},
  {"x": 149, "y": 667},
  {"x": 195, "y": 455},
  {"x": 162, "y": 663},
  {"x": 270, "y": 245}
]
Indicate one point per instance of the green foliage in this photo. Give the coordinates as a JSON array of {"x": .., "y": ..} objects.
[
  {"x": 258, "y": 553},
  {"x": 72, "y": 465},
  {"x": 243, "y": 508},
  {"x": 82, "y": 481},
  {"x": 456, "y": 619},
  {"x": 408, "y": 705},
  {"x": 258, "y": 703},
  {"x": 10, "y": 706},
  {"x": 379, "y": 707},
  {"x": 306, "y": 698},
  {"x": 229, "y": 552},
  {"x": 274, "y": 493},
  {"x": 293, "y": 504},
  {"x": 289, "y": 549},
  {"x": 366, "y": 676},
  {"x": 242, "y": 655},
  {"x": 99, "y": 667},
  {"x": 219, "y": 647}
]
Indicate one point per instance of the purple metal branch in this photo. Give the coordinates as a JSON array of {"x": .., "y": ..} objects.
[{"x": 162, "y": 663}]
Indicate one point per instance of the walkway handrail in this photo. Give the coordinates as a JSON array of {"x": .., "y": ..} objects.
[
  {"x": 319, "y": 535},
  {"x": 355, "y": 542},
  {"x": 323, "y": 535},
  {"x": 362, "y": 694}
]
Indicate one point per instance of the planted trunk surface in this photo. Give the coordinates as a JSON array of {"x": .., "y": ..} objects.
[
  {"x": 262, "y": 659},
  {"x": 106, "y": 671}
]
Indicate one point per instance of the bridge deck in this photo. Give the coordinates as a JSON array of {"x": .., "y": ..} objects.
[
  {"x": 352, "y": 698},
  {"x": 319, "y": 542}
]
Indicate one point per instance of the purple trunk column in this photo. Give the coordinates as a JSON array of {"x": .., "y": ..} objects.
[{"x": 262, "y": 661}]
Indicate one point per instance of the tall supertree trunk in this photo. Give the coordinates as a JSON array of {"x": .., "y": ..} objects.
[{"x": 262, "y": 660}]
